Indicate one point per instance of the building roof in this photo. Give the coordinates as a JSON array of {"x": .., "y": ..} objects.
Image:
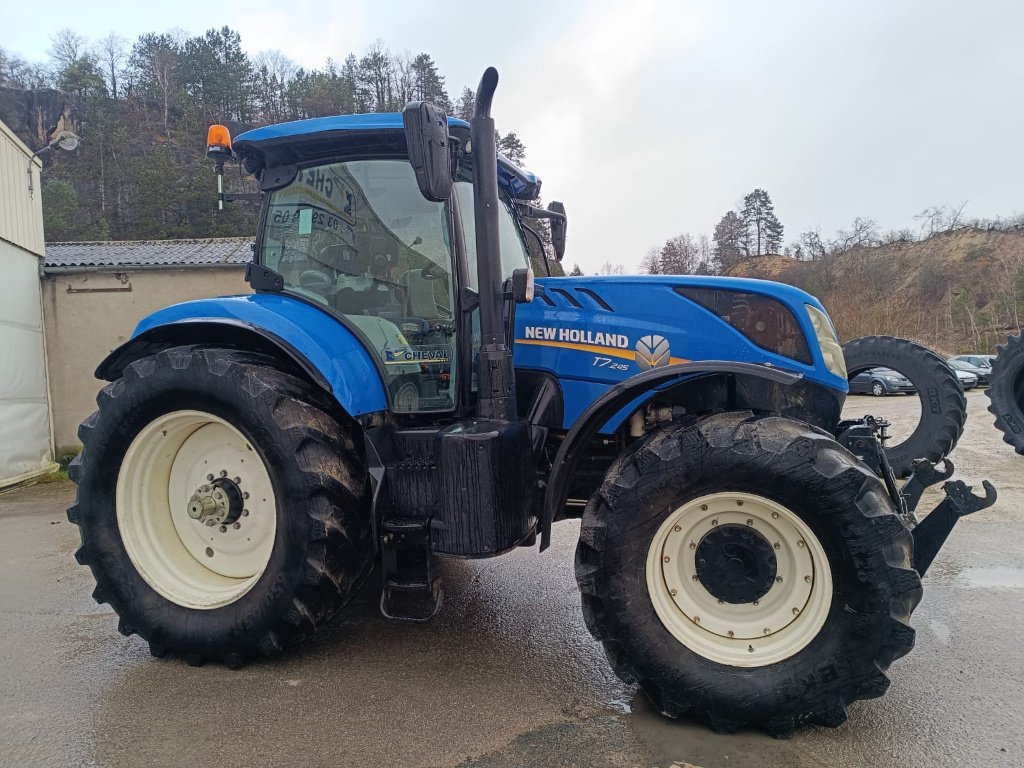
[{"x": 210, "y": 252}]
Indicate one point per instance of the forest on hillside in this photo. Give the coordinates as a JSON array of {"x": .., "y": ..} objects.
[{"x": 142, "y": 109}]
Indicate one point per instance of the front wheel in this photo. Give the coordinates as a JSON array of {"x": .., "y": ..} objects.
[
  {"x": 222, "y": 507},
  {"x": 748, "y": 570},
  {"x": 877, "y": 389}
]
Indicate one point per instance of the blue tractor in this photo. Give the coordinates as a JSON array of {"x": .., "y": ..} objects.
[{"x": 397, "y": 389}]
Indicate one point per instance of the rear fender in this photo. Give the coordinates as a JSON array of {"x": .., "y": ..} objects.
[
  {"x": 330, "y": 353},
  {"x": 637, "y": 390}
]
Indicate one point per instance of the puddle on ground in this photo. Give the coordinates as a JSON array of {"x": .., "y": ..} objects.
[{"x": 992, "y": 578}]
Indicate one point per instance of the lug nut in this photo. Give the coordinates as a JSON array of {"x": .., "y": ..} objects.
[
  {"x": 223, "y": 473},
  {"x": 777, "y": 545},
  {"x": 767, "y": 631},
  {"x": 796, "y": 611},
  {"x": 245, "y": 513},
  {"x": 703, "y": 507},
  {"x": 245, "y": 494},
  {"x": 715, "y": 521},
  {"x": 673, "y": 592},
  {"x": 223, "y": 529},
  {"x": 730, "y": 633},
  {"x": 209, "y": 477},
  {"x": 750, "y": 522},
  {"x": 692, "y": 545},
  {"x": 667, "y": 559},
  {"x": 694, "y": 577},
  {"x": 778, "y": 579},
  {"x": 801, "y": 543},
  {"x": 696, "y": 619},
  {"x": 209, "y": 552},
  {"x": 807, "y": 579},
  {"x": 750, "y": 648},
  {"x": 677, "y": 528},
  {"x": 757, "y": 602},
  {"x": 739, "y": 502},
  {"x": 236, "y": 526}
]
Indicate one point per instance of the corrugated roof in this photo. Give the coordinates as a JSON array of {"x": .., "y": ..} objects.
[{"x": 151, "y": 253}]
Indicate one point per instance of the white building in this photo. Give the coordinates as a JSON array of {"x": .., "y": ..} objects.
[{"x": 26, "y": 442}]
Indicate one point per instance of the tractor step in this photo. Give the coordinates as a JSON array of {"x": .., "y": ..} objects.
[{"x": 412, "y": 585}]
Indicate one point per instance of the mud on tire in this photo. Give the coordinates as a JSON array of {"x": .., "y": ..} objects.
[
  {"x": 869, "y": 552},
  {"x": 1006, "y": 391},
  {"x": 321, "y": 549},
  {"x": 943, "y": 405}
]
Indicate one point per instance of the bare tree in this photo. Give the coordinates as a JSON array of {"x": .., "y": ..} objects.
[
  {"x": 111, "y": 52},
  {"x": 611, "y": 269},
  {"x": 66, "y": 47}
]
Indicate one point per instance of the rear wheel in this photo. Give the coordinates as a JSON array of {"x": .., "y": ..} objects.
[
  {"x": 748, "y": 570},
  {"x": 222, "y": 505},
  {"x": 1006, "y": 391}
]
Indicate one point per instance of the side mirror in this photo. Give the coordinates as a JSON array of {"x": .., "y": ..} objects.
[
  {"x": 558, "y": 226},
  {"x": 522, "y": 285},
  {"x": 426, "y": 134}
]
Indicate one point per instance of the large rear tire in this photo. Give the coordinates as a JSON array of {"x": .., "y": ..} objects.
[
  {"x": 747, "y": 570},
  {"x": 222, "y": 505},
  {"x": 1006, "y": 391},
  {"x": 943, "y": 405}
]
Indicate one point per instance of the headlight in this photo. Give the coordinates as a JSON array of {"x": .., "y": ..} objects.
[
  {"x": 830, "y": 349},
  {"x": 891, "y": 378}
]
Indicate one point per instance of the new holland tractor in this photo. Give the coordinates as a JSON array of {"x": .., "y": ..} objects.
[{"x": 397, "y": 390}]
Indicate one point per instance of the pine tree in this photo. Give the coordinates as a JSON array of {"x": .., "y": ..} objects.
[
  {"x": 576, "y": 271},
  {"x": 729, "y": 236},
  {"x": 764, "y": 230}
]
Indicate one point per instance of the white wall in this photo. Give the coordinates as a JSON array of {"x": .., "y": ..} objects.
[{"x": 25, "y": 439}]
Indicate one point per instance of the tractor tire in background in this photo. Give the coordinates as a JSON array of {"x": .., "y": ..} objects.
[
  {"x": 943, "y": 405},
  {"x": 747, "y": 570},
  {"x": 1006, "y": 391},
  {"x": 223, "y": 506}
]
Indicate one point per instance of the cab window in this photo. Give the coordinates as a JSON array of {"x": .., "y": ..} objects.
[{"x": 358, "y": 238}]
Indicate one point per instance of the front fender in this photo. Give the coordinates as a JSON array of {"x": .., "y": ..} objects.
[{"x": 327, "y": 350}]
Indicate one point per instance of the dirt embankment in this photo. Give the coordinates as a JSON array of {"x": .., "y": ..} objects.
[{"x": 959, "y": 291}]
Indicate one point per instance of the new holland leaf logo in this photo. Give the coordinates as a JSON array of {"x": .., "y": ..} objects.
[{"x": 652, "y": 352}]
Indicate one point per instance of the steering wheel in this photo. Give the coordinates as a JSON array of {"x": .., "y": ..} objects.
[
  {"x": 433, "y": 272},
  {"x": 315, "y": 280}
]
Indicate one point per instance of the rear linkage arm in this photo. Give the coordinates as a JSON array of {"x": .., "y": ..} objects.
[{"x": 865, "y": 438}]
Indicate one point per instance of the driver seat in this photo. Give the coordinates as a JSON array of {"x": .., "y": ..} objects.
[{"x": 419, "y": 295}]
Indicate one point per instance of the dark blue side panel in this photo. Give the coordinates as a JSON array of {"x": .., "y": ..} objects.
[{"x": 330, "y": 347}]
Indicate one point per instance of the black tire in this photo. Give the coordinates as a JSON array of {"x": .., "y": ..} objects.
[
  {"x": 1006, "y": 391},
  {"x": 322, "y": 545},
  {"x": 875, "y": 588},
  {"x": 943, "y": 405}
]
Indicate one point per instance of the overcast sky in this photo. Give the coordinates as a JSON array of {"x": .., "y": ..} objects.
[{"x": 653, "y": 117}]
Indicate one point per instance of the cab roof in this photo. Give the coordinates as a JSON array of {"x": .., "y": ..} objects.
[{"x": 271, "y": 139}]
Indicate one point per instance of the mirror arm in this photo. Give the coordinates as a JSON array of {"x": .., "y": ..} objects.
[{"x": 533, "y": 212}]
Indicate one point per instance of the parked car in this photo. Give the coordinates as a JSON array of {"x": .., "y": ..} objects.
[
  {"x": 982, "y": 361},
  {"x": 967, "y": 380},
  {"x": 981, "y": 372},
  {"x": 881, "y": 381}
]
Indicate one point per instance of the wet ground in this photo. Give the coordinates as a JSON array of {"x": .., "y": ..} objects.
[{"x": 506, "y": 676}]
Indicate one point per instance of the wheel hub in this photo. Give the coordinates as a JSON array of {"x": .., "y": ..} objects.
[
  {"x": 736, "y": 564},
  {"x": 219, "y": 502}
]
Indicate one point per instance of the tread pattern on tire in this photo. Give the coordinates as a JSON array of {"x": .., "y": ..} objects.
[
  {"x": 879, "y": 544},
  {"x": 1006, "y": 391},
  {"x": 943, "y": 404},
  {"x": 338, "y": 549}
]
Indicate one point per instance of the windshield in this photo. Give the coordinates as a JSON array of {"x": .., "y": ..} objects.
[
  {"x": 358, "y": 238},
  {"x": 514, "y": 254}
]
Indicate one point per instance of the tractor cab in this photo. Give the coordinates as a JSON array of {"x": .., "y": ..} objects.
[{"x": 346, "y": 227}]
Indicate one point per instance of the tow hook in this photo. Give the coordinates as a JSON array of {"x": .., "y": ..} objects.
[
  {"x": 923, "y": 476},
  {"x": 931, "y": 533}
]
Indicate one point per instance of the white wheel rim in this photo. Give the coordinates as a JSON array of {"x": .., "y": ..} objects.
[
  {"x": 778, "y": 625},
  {"x": 187, "y": 561}
]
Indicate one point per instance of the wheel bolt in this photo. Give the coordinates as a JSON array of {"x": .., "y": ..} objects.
[
  {"x": 692, "y": 545},
  {"x": 757, "y": 602},
  {"x": 730, "y": 633},
  {"x": 777, "y": 545},
  {"x": 801, "y": 543},
  {"x": 223, "y": 529},
  {"x": 704, "y": 507},
  {"x": 739, "y": 502},
  {"x": 750, "y": 648},
  {"x": 778, "y": 579},
  {"x": 223, "y": 473},
  {"x": 715, "y": 521},
  {"x": 245, "y": 494},
  {"x": 245, "y": 513},
  {"x": 673, "y": 592},
  {"x": 209, "y": 477},
  {"x": 237, "y": 480},
  {"x": 668, "y": 559},
  {"x": 750, "y": 522},
  {"x": 767, "y": 630},
  {"x": 775, "y": 515},
  {"x": 796, "y": 611},
  {"x": 211, "y": 522},
  {"x": 696, "y": 619},
  {"x": 236, "y": 526},
  {"x": 694, "y": 577},
  {"x": 677, "y": 528},
  {"x": 807, "y": 579},
  {"x": 209, "y": 552}
]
